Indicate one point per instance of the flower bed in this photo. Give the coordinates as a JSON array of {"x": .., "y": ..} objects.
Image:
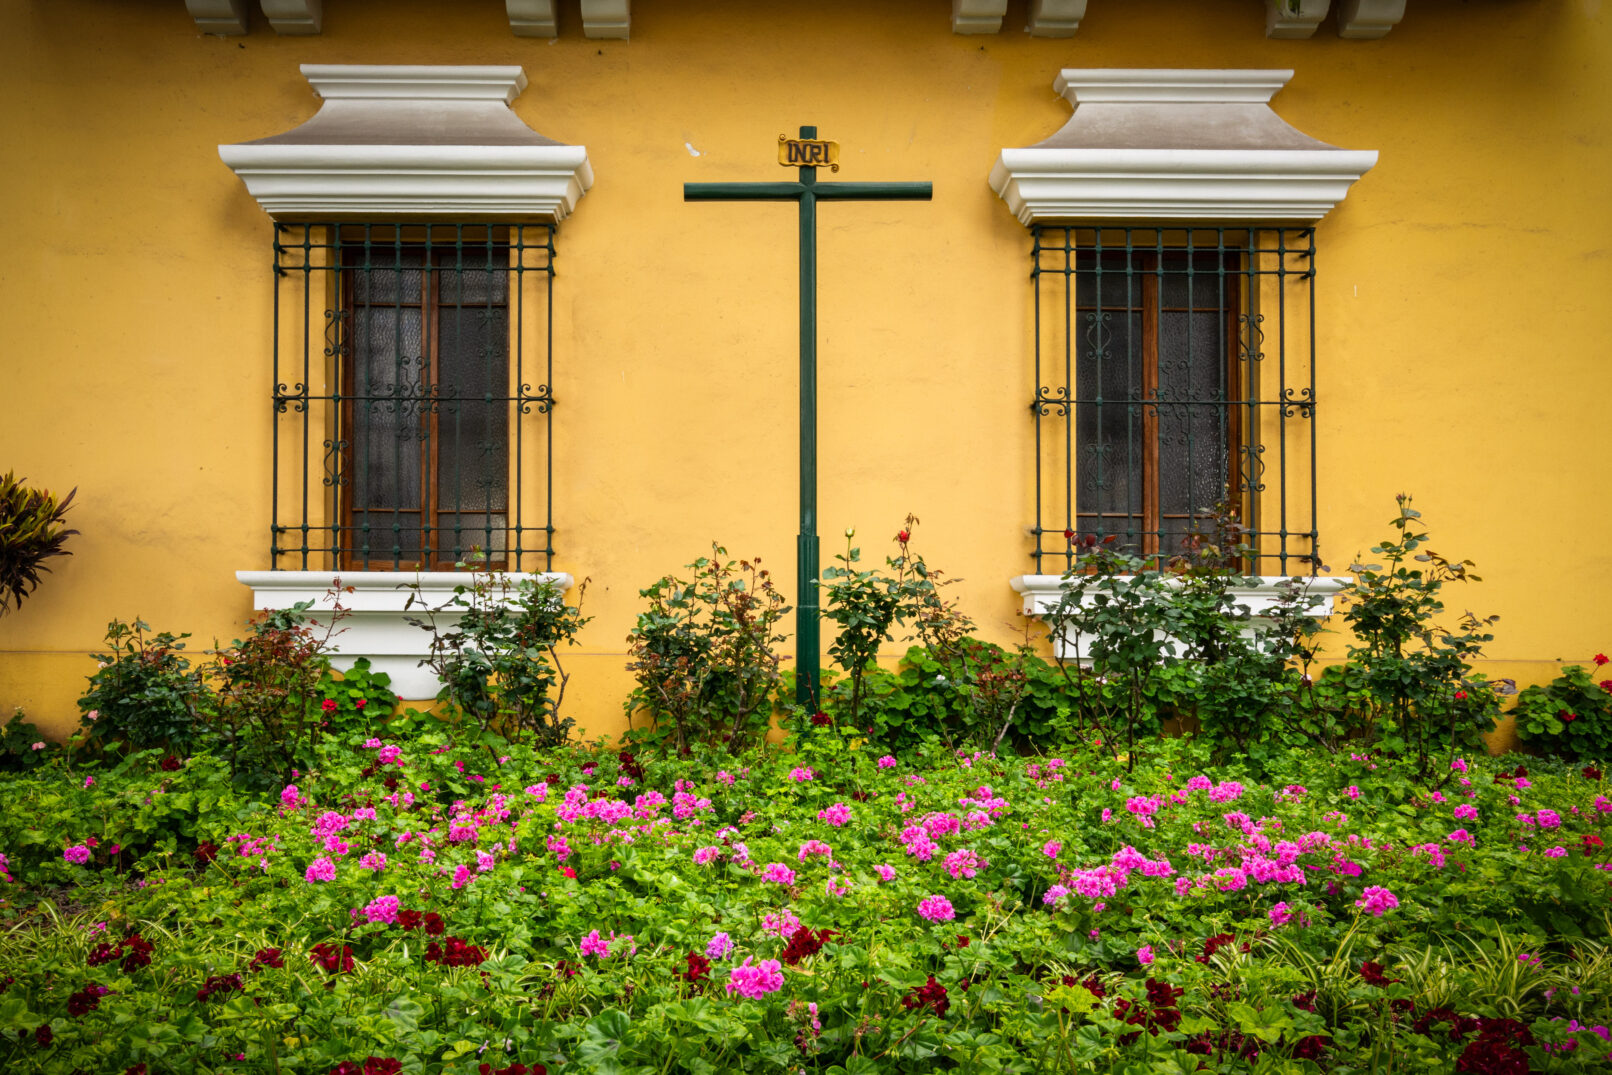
[{"x": 417, "y": 907}]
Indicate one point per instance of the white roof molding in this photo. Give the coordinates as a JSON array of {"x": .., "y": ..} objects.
[
  {"x": 1367, "y": 20},
  {"x": 1199, "y": 145},
  {"x": 532, "y": 18},
  {"x": 1056, "y": 18},
  {"x": 416, "y": 142},
  {"x": 978, "y": 16},
  {"x": 1294, "y": 19},
  {"x": 218, "y": 16},
  {"x": 294, "y": 16},
  {"x": 606, "y": 18}
]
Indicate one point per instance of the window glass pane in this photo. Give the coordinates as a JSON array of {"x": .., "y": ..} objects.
[
  {"x": 473, "y": 416},
  {"x": 386, "y": 408},
  {"x": 385, "y": 536},
  {"x": 384, "y": 273}
]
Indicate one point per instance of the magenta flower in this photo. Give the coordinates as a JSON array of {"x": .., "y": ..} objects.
[
  {"x": 594, "y": 945},
  {"x": 719, "y": 946},
  {"x": 936, "y": 909},
  {"x": 779, "y": 874},
  {"x": 1465, "y": 812},
  {"x": 1281, "y": 914},
  {"x": 1144, "y": 955},
  {"x": 382, "y": 909},
  {"x": 756, "y": 981},
  {"x": 1051, "y": 849},
  {"x": 78, "y": 854},
  {"x": 835, "y": 815},
  {"x": 886, "y": 873},
  {"x": 964, "y": 863},
  {"x": 887, "y": 762},
  {"x": 290, "y": 797},
  {"x": 462, "y": 876},
  {"x": 1352, "y": 791},
  {"x": 800, "y": 774},
  {"x": 704, "y": 856},
  {"x": 320, "y": 869},
  {"x": 1376, "y": 900}
]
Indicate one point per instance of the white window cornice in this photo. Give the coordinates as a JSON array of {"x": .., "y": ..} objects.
[
  {"x": 1189, "y": 145},
  {"x": 376, "y": 607},
  {"x": 416, "y": 142}
]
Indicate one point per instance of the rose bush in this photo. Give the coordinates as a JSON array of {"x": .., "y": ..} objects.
[{"x": 416, "y": 906}]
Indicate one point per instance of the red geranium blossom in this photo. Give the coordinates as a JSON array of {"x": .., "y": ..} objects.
[
  {"x": 454, "y": 952},
  {"x": 931, "y": 995},
  {"x": 330, "y": 960},
  {"x": 266, "y": 957},
  {"x": 699, "y": 969},
  {"x": 803, "y": 942}
]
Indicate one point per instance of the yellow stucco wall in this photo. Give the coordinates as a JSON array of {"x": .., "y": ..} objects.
[{"x": 1461, "y": 300}]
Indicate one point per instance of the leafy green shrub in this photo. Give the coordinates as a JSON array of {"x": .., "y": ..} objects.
[
  {"x": 500, "y": 664},
  {"x": 22, "y": 745},
  {"x": 31, "y": 532},
  {"x": 867, "y": 605},
  {"x": 355, "y": 702},
  {"x": 264, "y": 710},
  {"x": 702, "y": 655},
  {"x": 1570, "y": 716},
  {"x": 1414, "y": 676},
  {"x": 143, "y": 694}
]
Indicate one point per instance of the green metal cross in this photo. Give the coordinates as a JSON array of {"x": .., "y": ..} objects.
[{"x": 807, "y": 192}]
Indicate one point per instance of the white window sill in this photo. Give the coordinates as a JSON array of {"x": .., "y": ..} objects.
[
  {"x": 375, "y": 625},
  {"x": 1041, "y": 594}
]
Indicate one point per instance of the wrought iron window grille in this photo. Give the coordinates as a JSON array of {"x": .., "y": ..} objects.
[
  {"x": 412, "y": 394},
  {"x": 1174, "y": 371}
]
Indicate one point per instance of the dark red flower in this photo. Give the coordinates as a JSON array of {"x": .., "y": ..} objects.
[
  {"x": 513, "y": 1069},
  {"x": 1590, "y": 771},
  {"x": 375, "y": 1065},
  {"x": 219, "y": 983},
  {"x": 330, "y": 960},
  {"x": 205, "y": 852},
  {"x": 963, "y": 941},
  {"x": 137, "y": 1069},
  {"x": 1312, "y": 1047},
  {"x": 1373, "y": 974},
  {"x": 903, "y": 536},
  {"x": 1600, "y": 659},
  {"x": 1568, "y": 717},
  {"x": 43, "y": 1036},
  {"x": 454, "y": 952},
  {"x": 86, "y": 1000},
  {"x": 1213, "y": 945},
  {"x": 434, "y": 926},
  {"x": 139, "y": 953},
  {"x": 931, "y": 995},
  {"x": 410, "y": 920},
  {"x": 266, "y": 957},
  {"x": 699, "y": 969},
  {"x": 568, "y": 872},
  {"x": 803, "y": 943},
  {"x": 105, "y": 952},
  {"x": 169, "y": 764},
  {"x": 1305, "y": 1000},
  {"x": 822, "y": 720}
]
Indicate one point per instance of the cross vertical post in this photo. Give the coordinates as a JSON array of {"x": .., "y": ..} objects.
[{"x": 806, "y": 192}]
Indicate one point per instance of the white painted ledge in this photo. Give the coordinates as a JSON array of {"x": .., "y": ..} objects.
[
  {"x": 375, "y": 625},
  {"x": 294, "y": 16},
  {"x": 532, "y": 18},
  {"x": 1198, "y": 145},
  {"x": 1040, "y": 594},
  {"x": 1056, "y": 18},
  {"x": 413, "y": 141},
  {"x": 607, "y": 19}
]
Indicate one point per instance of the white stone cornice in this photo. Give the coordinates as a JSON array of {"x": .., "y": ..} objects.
[
  {"x": 218, "y": 16},
  {"x": 607, "y": 18},
  {"x": 1056, "y": 18},
  {"x": 1175, "y": 145},
  {"x": 532, "y": 18},
  {"x": 977, "y": 16},
  {"x": 415, "y": 142},
  {"x": 294, "y": 16},
  {"x": 415, "y": 82},
  {"x": 376, "y": 614},
  {"x": 1367, "y": 20},
  {"x": 1294, "y": 18}
]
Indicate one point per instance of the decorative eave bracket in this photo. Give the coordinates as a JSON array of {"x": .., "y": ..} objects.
[
  {"x": 1190, "y": 145},
  {"x": 413, "y": 142}
]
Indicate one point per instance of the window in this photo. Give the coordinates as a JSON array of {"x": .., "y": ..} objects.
[
  {"x": 1157, "y": 395},
  {"x": 411, "y": 435}
]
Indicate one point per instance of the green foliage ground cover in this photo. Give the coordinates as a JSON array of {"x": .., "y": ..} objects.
[{"x": 431, "y": 906}]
